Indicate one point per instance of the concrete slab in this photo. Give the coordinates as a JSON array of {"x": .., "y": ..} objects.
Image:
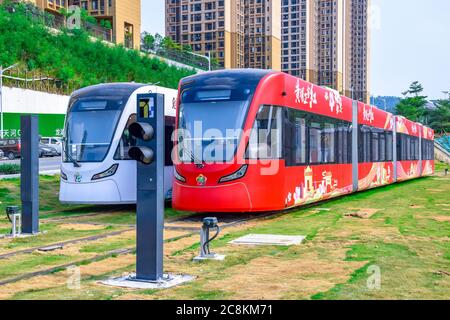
[
  {"x": 51, "y": 248},
  {"x": 217, "y": 257},
  {"x": 268, "y": 240},
  {"x": 130, "y": 282}
]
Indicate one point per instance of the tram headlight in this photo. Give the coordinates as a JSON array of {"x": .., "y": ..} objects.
[
  {"x": 178, "y": 176},
  {"x": 63, "y": 176},
  {"x": 235, "y": 176},
  {"x": 105, "y": 174}
]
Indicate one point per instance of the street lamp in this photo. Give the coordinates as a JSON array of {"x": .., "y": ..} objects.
[
  {"x": 208, "y": 57},
  {"x": 1, "y": 96},
  {"x": 385, "y": 104},
  {"x": 447, "y": 93}
]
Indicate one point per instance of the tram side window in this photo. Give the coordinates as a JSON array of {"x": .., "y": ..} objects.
[
  {"x": 431, "y": 149},
  {"x": 126, "y": 142},
  {"x": 424, "y": 149},
  {"x": 389, "y": 146},
  {"x": 407, "y": 147},
  {"x": 414, "y": 148},
  {"x": 322, "y": 140},
  {"x": 382, "y": 136},
  {"x": 169, "y": 144},
  {"x": 329, "y": 143},
  {"x": 344, "y": 144},
  {"x": 266, "y": 136},
  {"x": 315, "y": 142},
  {"x": 365, "y": 144},
  {"x": 427, "y": 149},
  {"x": 295, "y": 137},
  {"x": 375, "y": 146}
]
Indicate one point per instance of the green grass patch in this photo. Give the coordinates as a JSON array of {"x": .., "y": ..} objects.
[
  {"x": 107, "y": 246},
  {"x": 29, "y": 263},
  {"x": 9, "y": 169}
]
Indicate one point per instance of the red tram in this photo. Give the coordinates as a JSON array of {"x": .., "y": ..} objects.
[{"x": 259, "y": 140}]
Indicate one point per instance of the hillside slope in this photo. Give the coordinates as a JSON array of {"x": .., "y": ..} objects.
[{"x": 72, "y": 56}]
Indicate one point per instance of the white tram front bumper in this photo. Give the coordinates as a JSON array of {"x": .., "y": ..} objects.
[{"x": 102, "y": 192}]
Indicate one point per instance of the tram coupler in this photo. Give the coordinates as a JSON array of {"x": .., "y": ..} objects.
[{"x": 210, "y": 223}]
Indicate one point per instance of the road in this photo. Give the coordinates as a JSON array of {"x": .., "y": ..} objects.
[{"x": 45, "y": 164}]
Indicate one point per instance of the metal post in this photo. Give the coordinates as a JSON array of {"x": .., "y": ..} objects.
[
  {"x": 14, "y": 227},
  {"x": 29, "y": 182},
  {"x": 209, "y": 60},
  {"x": 355, "y": 146},
  {"x": 1, "y": 102}
]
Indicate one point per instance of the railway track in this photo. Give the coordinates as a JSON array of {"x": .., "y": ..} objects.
[
  {"x": 97, "y": 258},
  {"x": 64, "y": 243},
  {"x": 230, "y": 221}
]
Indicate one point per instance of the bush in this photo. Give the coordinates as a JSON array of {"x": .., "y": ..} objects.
[
  {"x": 9, "y": 169},
  {"x": 71, "y": 55}
]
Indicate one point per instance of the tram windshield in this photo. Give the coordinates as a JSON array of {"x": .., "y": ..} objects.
[
  {"x": 90, "y": 127},
  {"x": 211, "y": 123}
]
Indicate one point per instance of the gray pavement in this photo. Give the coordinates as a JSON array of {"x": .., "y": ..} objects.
[{"x": 45, "y": 164}]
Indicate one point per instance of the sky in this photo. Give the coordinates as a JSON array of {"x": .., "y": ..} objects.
[{"x": 410, "y": 40}]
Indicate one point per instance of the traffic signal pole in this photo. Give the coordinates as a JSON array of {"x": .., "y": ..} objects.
[{"x": 149, "y": 153}]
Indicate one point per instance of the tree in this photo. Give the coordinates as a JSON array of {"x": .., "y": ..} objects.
[
  {"x": 106, "y": 24},
  {"x": 167, "y": 43},
  {"x": 72, "y": 56},
  {"x": 187, "y": 48},
  {"x": 149, "y": 42},
  {"x": 158, "y": 41},
  {"x": 414, "y": 89},
  {"x": 412, "y": 108},
  {"x": 439, "y": 118}
]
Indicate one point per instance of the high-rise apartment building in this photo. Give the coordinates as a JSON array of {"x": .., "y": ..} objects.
[
  {"x": 238, "y": 33},
  {"x": 358, "y": 79},
  {"x": 327, "y": 42},
  {"x": 123, "y": 15}
]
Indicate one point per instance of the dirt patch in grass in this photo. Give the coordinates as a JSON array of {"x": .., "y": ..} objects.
[
  {"x": 41, "y": 282},
  {"x": 81, "y": 227},
  {"x": 442, "y": 218},
  {"x": 416, "y": 207},
  {"x": 184, "y": 224},
  {"x": 275, "y": 278},
  {"x": 364, "y": 213}
]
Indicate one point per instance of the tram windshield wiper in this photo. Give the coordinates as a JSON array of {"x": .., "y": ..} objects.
[
  {"x": 71, "y": 159},
  {"x": 194, "y": 159}
]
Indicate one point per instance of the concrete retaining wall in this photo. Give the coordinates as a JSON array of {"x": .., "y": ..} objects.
[{"x": 441, "y": 154}]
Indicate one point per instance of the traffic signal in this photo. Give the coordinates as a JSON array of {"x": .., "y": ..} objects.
[{"x": 149, "y": 154}]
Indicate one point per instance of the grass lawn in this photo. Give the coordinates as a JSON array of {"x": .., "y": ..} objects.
[{"x": 401, "y": 252}]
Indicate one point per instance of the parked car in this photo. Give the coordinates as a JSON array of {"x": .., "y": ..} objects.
[
  {"x": 10, "y": 148},
  {"x": 53, "y": 142},
  {"x": 47, "y": 151}
]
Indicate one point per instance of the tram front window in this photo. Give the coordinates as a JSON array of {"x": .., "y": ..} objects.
[
  {"x": 211, "y": 123},
  {"x": 90, "y": 128}
]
